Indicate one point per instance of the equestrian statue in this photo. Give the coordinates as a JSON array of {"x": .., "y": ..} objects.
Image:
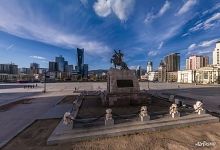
[{"x": 117, "y": 60}]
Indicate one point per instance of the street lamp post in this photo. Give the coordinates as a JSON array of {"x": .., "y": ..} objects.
[
  {"x": 148, "y": 82},
  {"x": 45, "y": 87}
]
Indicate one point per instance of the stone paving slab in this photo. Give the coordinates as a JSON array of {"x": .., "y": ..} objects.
[
  {"x": 211, "y": 103},
  {"x": 65, "y": 134},
  {"x": 15, "y": 120},
  {"x": 56, "y": 112},
  {"x": 8, "y": 98}
]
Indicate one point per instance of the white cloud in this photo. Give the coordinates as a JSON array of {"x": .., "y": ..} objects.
[
  {"x": 185, "y": 34},
  {"x": 210, "y": 22},
  {"x": 121, "y": 8},
  {"x": 170, "y": 32},
  {"x": 153, "y": 53},
  {"x": 151, "y": 16},
  {"x": 217, "y": 6},
  {"x": 160, "y": 45},
  {"x": 186, "y": 7},
  {"x": 208, "y": 43},
  {"x": 84, "y": 2},
  {"x": 23, "y": 22},
  {"x": 192, "y": 46},
  {"x": 202, "y": 47},
  {"x": 165, "y": 7},
  {"x": 197, "y": 27},
  {"x": 102, "y": 8},
  {"x": 207, "y": 24},
  {"x": 10, "y": 46},
  {"x": 38, "y": 57},
  {"x": 44, "y": 61}
]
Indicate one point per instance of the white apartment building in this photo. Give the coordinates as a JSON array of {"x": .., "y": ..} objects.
[{"x": 216, "y": 55}]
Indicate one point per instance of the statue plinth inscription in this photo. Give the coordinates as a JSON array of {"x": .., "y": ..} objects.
[
  {"x": 122, "y": 81},
  {"x": 125, "y": 83}
]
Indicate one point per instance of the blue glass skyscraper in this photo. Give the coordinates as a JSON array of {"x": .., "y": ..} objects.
[{"x": 80, "y": 61}]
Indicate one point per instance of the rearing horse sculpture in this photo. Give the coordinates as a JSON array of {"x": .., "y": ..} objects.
[{"x": 117, "y": 60}]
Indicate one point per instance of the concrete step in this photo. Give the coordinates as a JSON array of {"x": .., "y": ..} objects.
[{"x": 65, "y": 134}]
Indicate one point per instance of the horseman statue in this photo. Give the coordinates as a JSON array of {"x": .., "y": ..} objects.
[{"x": 117, "y": 60}]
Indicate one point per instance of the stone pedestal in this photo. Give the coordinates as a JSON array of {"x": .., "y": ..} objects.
[
  {"x": 144, "y": 118},
  {"x": 108, "y": 117},
  {"x": 201, "y": 112},
  {"x": 109, "y": 122},
  {"x": 122, "y": 81},
  {"x": 122, "y": 88},
  {"x": 176, "y": 115}
]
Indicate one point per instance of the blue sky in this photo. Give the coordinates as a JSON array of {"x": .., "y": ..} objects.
[{"x": 37, "y": 31}]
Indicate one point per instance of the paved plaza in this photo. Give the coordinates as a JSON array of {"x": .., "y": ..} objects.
[{"x": 18, "y": 117}]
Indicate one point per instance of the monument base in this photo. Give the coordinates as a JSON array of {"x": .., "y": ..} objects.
[
  {"x": 122, "y": 89},
  {"x": 124, "y": 99},
  {"x": 109, "y": 122},
  {"x": 144, "y": 118}
]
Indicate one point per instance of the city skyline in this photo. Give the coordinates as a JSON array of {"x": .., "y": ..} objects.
[{"x": 144, "y": 30}]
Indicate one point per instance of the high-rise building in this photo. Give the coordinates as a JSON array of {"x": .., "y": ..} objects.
[
  {"x": 138, "y": 71},
  {"x": 60, "y": 63},
  {"x": 216, "y": 55},
  {"x": 9, "y": 68},
  {"x": 70, "y": 68},
  {"x": 85, "y": 70},
  {"x": 162, "y": 72},
  {"x": 195, "y": 62},
  {"x": 53, "y": 66},
  {"x": 66, "y": 66},
  {"x": 149, "y": 66},
  {"x": 34, "y": 68},
  {"x": 172, "y": 62},
  {"x": 80, "y": 60},
  {"x": 60, "y": 68},
  {"x": 24, "y": 70}
]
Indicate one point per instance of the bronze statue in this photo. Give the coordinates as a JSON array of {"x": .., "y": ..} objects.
[{"x": 117, "y": 60}]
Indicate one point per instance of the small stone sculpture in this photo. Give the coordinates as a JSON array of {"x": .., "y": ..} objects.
[
  {"x": 67, "y": 118},
  {"x": 198, "y": 107},
  {"x": 108, "y": 117},
  {"x": 174, "y": 110},
  {"x": 143, "y": 114}
]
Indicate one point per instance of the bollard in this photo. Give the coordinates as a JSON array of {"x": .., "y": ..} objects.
[
  {"x": 109, "y": 121},
  {"x": 144, "y": 114},
  {"x": 198, "y": 107},
  {"x": 174, "y": 111}
]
